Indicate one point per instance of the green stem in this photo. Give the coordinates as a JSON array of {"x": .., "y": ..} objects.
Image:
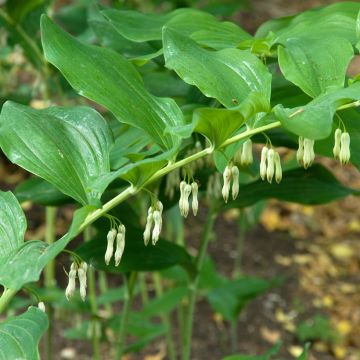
[
  {"x": 240, "y": 244},
  {"x": 130, "y": 282},
  {"x": 49, "y": 275},
  {"x": 5, "y": 298},
  {"x": 165, "y": 318},
  {"x": 233, "y": 335},
  {"x": 103, "y": 285},
  {"x": 93, "y": 304},
  {"x": 143, "y": 289},
  {"x": 188, "y": 326}
]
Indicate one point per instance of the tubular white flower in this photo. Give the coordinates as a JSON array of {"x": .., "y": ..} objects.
[
  {"x": 41, "y": 306},
  {"x": 270, "y": 165},
  {"x": 309, "y": 155},
  {"x": 157, "y": 227},
  {"x": 246, "y": 155},
  {"x": 344, "y": 155},
  {"x": 195, "y": 202},
  {"x": 185, "y": 204},
  {"x": 235, "y": 184},
  {"x": 300, "y": 151},
  {"x": 110, "y": 245},
  {"x": 227, "y": 180},
  {"x": 337, "y": 143},
  {"x": 120, "y": 244},
  {"x": 70, "y": 289},
  {"x": 148, "y": 226},
  {"x": 263, "y": 166},
  {"x": 181, "y": 200},
  {"x": 278, "y": 169},
  {"x": 82, "y": 279}
]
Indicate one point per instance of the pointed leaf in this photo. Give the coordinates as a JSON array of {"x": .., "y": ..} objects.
[
  {"x": 20, "y": 335},
  {"x": 228, "y": 75},
  {"x": 68, "y": 147},
  {"x": 107, "y": 78}
]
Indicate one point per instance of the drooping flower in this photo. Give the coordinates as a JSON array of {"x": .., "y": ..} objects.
[
  {"x": 246, "y": 154},
  {"x": 337, "y": 143},
  {"x": 71, "y": 286},
  {"x": 82, "y": 279},
  {"x": 227, "y": 182},
  {"x": 344, "y": 155},
  {"x": 270, "y": 169},
  {"x": 120, "y": 244},
  {"x": 195, "y": 202},
  {"x": 235, "y": 182},
  {"x": 110, "y": 245},
  {"x": 263, "y": 160}
]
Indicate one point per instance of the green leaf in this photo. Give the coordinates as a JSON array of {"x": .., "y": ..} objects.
[
  {"x": 317, "y": 328},
  {"x": 315, "y": 119},
  {"x": 228, "y": 75},
  {"x": 316, "y": 65},
  {"x": 20, "y": 335},
  {"x": 313, "y": 186},
  {"x": 203, "y": 27},
  {"x": 305, "y": 353},
  {"x": 267, "y": 356},
  {"x": 137, "y": 256},
  {"x": 68, "y": 147},
  {"x": 336, "y": 19},
  {"x": 107, "y": 78},
  {"x": 22, "y": 262}
]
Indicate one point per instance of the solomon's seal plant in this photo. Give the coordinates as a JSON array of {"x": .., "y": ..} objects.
[{"x": 193, "y": 108}]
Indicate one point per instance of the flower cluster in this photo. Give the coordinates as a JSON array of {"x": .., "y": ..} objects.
[
  {"x": 154, "y": 217},
  {"x": 305, "y": 154},
  {"x": 270, "y": 165},
  {"x": 341, "y": 148},
  {"x": 119, "y": 235},
  {"x": 80, "y": 271},
  {"x": 185, "y": 191},
  {"x": 231, "y": 173}
]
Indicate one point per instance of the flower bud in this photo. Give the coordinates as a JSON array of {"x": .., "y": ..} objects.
[
  {"x": 120, "y": 244},
  {"x": 278, "y": 170},
  {"x": 246, "y": 155},
  {"x": 309, "y": 155},
  {"x": 270, "y": 165},
  {"x": 149, "y": 222},
  {"x": 41, "y": 306},
  {"x": 70, "y": 289},
  {"x": 82, "y": 279},
  {"x": 264, "y": 153},
  {"x": 344, "y": 155},
  {"x": 181, "y": 200},
  {"x": 195, "y": 202},
  {"x": 186, "y": 207},
  {"x": 300, "y": 151},
  {"x": 110, "y": 245},
  {"x": 157, "y": 227},
  {"x": 336, "y": 148},
  {"x": 235, "y": 184},
  {"x": 226, "y": 187}
]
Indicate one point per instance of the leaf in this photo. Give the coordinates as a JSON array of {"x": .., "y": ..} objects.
[
  {"x": 39, "y": 191},
  {"x": 107, "y": 78},
  {"x": 137, "y": 256},
  {"x": 228, "y": 75},
  {"x": 203, "y": 27},
  {"x": 316, "y": 65},
  {"x": 313, "y": 186},
  {"x": 314, "y": 120},
  {"x": 336, "y": 19},
  {"x": 20, "y": 335},
  {"x": 267, "y": 356},
  {"x": 22, "y": 262},
  {"x": 68, "y": 147}
]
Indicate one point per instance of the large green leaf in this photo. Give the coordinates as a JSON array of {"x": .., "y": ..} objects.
[
  {"x": 22, "y": 262},
  {"x": 336, "y": 19},
  {"x": 315, "y": 64},
  {"x": 314, "y": 120},
  {"x": 313, "y": 186},
  {"x": 107, "y": 78},
  {"x": 137, "y": 256},
  {"x": 20, "y": 335},
  {"x": 228, "y": 75},
  {"x": 68, "y": 147},
  {"x": 202, "y": 27}
]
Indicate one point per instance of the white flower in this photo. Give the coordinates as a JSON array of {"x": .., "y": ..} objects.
[
  {"x": 181, "y": 201},
  {"x": 70, "y": 289},
  {"x": 82, "y": 279},
  {"x": 309, "y": 155},
  {"x": 270, "y": 165},
  {"x": 344, "y": 155},
  {"x": 300, "y": 151},
  {"x": 110, "y": 245},
  {"x": 41, "y": 306},
  {"x": 157, "y": 227},
  {"x": 278, "y": 170},
  {"x": 195, "y": 202},
  {"x": 185, "y": 203},
  {"x": 337, "y": 143},
  {"x": 227, "y": 180},
  {"x": 235, "y": 184},
  {"x": 246, "y": 154},
  {"x": 120, "y": 244},
  {"x": 263, "y": 166},
  {"x": 148, "y": 226}
]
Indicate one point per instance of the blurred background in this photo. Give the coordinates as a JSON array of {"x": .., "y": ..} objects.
[{"x": 317, "y": 249}]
